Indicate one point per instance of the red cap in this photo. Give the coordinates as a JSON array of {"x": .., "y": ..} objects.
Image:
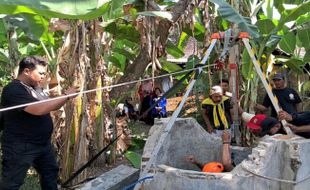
[{"x": 255, "y": 122}]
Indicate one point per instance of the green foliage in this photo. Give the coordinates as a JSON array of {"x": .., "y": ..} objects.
[
  {"x": 288, "y": 43},
  {"x": 137, "y": 143},
  {"x": 169, "y": 67},
  {"x": 304, "y": 37},
  {"x": 174, "y": 50},
  {"x": 70, "y": 9},
  {"x": 182, "y": 41},
  {"x": 34, "y": 26},
  {"x": 198, "y": 32},
  {"x": 295, "y": 64},
  {"x": 303, "y": 19},
  {"x": 123, "y": 31},
  {"x": 134, "y": 158},
  {"x": 265, "y": 26},
  {"x": 230, "y": 14},
  {"x": 247, "y": 67},
  {"x": 192, "y": 61},
  {"x": 307, "y": 56}
]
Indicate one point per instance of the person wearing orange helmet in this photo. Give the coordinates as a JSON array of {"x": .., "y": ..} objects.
[{"x": 217, "y": 167}]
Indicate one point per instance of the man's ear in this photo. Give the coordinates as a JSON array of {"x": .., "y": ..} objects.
[{"x": 26, "y": 71}]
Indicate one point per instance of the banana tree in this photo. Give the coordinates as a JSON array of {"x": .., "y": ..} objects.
[{"x": 82, "y": 125}]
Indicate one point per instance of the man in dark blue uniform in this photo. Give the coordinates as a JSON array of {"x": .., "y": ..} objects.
[{"x": 27, "y": 130}]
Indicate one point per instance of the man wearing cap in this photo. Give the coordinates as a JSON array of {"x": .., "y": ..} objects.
[
  {"x": 216, "y": 111},
  {"x": 288, "y": 98},
  {"x": 260, "y": 124}
]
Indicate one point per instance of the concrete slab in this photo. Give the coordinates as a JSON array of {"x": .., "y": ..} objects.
[{"x": 114, "y": 179}]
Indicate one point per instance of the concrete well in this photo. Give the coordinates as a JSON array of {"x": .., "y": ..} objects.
[{"x": 274, "y": 164}]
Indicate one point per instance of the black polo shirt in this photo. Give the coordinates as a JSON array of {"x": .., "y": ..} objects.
[
  {"x": 19, "y": 125},
  {"x": 287, "y": 97}
]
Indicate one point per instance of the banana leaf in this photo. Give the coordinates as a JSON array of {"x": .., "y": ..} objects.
[{"x": 69, "y": 9}]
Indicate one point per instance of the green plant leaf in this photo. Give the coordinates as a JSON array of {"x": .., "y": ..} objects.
[
  {"x": 288, "y": 43},
  {"x": 247, "y": 66},
  {"x": 182, "y": 41},
  {"x": 192, "y": 61},
  {"x": 134, "y": 158},
  {"x": 307, "y": 56},
  {"x": 125, "y": 53},
  {"x": 34, "y": 26},
  {"x": 304, "y": 37},
  {"x": 295, "y": 65},
  {"x": 292, "y": 14},
  {"x": 70, "y": 9},
  {"x": 303, "y": 19},
  {"x": 118, "y": 60},
  {"x": 2, "y": 31},
  {"x": 169, "y": 67},
  {"x": 174, "y": 50},
  {"x": 4, "y": 56},
  {"x": 230, "y": 14},
  {"x": 123, "y": 31},
  {"x": 265, "y": 26}
]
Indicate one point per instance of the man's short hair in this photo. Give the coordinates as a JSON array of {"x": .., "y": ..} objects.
[
  {"x": 224, "y": 81},
  {"x": 31, "y": 62}
]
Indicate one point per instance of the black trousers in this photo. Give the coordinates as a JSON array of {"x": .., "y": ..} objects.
[{"x": 18, "y": 157}]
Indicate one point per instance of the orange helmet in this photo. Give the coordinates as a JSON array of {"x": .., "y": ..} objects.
[{"x": 214, "y": 167}]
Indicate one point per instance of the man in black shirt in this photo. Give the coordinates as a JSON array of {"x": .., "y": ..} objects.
[
  {"x": 216, "y": 111},
  {"x": 27, "y": 130},
  {"x": 288, "y": 98}
]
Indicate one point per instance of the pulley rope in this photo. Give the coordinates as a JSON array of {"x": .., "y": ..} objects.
[{"x": 102, "y": 88}]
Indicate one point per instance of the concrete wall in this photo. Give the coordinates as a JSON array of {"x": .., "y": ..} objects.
[{"x": 274, "y": 164}]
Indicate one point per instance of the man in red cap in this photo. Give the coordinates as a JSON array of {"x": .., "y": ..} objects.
[{"x": 261, "y": 125}]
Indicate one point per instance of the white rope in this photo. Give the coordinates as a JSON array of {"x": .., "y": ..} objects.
[
  {"x": 99, "y": 89},
  {"x": 162, "y": 138},
  {"x": 276, "y": 179}
]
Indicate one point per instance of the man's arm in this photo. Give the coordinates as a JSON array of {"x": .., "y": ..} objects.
[
  {"x": 261, "y": 108},
  {"x": 226, "y": 156},
  {"x": 207, "y": 121},
  {"x": 298, "y": 107},
  {"x": 46, "y": 107},
  {"x": 192, "y": 160},
  {"x": 299, "y": 129},
  {"x": 266, "y": 104}
]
